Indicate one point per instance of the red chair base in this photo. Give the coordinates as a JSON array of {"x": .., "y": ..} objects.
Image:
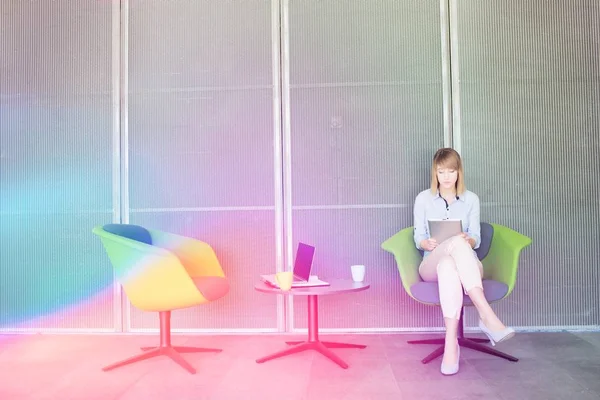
[{"x": 164, "y": 349}]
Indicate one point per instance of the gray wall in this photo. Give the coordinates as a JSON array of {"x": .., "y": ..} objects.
[
  {"x": 365, "y": 108},
  {"x": 200, "y": 143},
  {"x": 528, "y": 109},
  {"x": 55, "y": 164},
  {"x": 252, "y": 138}
]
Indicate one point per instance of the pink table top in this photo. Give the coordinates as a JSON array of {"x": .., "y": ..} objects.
[{"x": 336, "y": 286}]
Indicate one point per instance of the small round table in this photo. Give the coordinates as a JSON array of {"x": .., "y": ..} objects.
[{"x": 337, "y": 286}]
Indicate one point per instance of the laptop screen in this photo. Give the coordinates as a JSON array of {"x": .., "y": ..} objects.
[{"x": 303, "y": 262}]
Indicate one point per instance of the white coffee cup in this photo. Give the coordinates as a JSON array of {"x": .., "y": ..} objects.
[{"x": 358, "y": 273}]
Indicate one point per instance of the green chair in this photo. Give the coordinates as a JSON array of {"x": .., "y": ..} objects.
[{"x": 499, "y": 253}]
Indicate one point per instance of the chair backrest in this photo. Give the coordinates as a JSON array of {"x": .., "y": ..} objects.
[
  {"x": 152, "y": 277},
  {"x": 133, "y": 232},
  {"x": 487, "y": 234}
]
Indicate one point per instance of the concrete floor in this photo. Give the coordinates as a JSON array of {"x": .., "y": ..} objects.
[{"x": 63, "y": 367}]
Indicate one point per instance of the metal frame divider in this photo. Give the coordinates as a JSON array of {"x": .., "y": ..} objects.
[
  {"x": 278, "y": 158},
  {"x": 116, "y": 146},
  {"x": 124, "y": 124},
  {"x": 287, "y": 155},
  {"x": 452, "y": 29}
]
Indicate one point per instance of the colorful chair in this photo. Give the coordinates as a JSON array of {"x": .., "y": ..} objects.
[
  {"x": 499, "y": 253},
  {"x": 161, "y": 272}
]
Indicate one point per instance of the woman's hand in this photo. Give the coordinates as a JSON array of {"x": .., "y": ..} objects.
[
  {"x": 469, "y": 239},
  {"x": 428, "y": 244}
]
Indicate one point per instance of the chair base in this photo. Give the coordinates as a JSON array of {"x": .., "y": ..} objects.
[
  {"x": 470, "y": 343},
  {"x": 172, "y": 352},
  {"x": 164, "y": 349}
]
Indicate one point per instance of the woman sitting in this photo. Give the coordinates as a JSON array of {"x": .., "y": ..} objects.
[{"x": 454, "y": 263}]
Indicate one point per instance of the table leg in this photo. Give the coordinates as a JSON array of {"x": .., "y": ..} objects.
[
  {"x": 313, "y": 342},
  {"x": 321, "y": 348},
  {"x": 291, "y": 350},
  {"x": 313, "y": 319},
  {"x": 331, "y": 345}
]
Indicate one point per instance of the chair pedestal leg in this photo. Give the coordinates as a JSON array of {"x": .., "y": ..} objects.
[
  {"x": 131, "y": 360},
  {"x": 471, "y": 343},
  {"x": 427, "y": 341},
  {"x": 433, "y": 355},
  {"x": 338, "y": 345},
  {"x": 164, "y": 348},
  {"x": 185, "y": 349},
  {"x": 175, "y": 356},
  {"x": 477, "y": 340},
  {"x": 485, "y": 349}
]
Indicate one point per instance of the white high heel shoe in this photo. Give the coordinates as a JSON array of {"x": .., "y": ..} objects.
[
  {"x": 451, "y": 369},
  {"x": 497, "y": 336}
]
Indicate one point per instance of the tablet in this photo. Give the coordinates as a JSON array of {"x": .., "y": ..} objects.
[{"x": 443, "y": 229}]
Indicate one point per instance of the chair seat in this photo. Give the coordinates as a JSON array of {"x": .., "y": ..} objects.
[
  {"x": 212, "y": 287},
  {"x": 428, "y": 292}
]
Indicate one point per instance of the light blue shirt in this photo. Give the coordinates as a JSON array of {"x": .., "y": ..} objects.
[{"x": 433, "y": 206}]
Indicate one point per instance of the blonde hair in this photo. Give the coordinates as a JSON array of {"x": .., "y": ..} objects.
[{"x": 448, "y": 158}]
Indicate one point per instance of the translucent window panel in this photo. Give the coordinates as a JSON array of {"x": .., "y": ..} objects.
[
  {"x": 54, "y": 273},
  {"x": 529, "y": 122},
  {"x": 366, "y": 111},
  {"x": 55, "y": 48},
  {"x": 201, "y": 140},
  {"x": 192, "y": 44},
  {"x": 244, "y": 242},
  {"x": 56, "y": 154},
  {"x": 364, "y": 41},
  {"x": 363, "y": 145},
  {"x": 55, "y": 165},
  {"x": 211, "y": 149},
  {"x": 201, "y": 104},
  {"x": 344, "y": 237}
]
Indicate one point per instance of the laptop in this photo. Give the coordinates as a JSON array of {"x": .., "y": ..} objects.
[{"x": 302, "y": 267}]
